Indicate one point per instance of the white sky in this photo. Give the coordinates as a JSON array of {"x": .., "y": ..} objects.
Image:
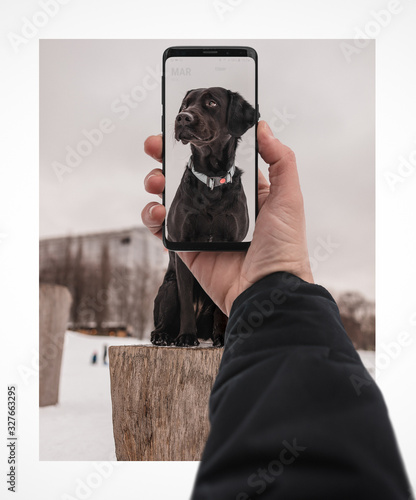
[{"x": 318, "y": 103}]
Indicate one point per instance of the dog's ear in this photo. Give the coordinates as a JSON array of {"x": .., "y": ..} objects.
[
  {"x": 240, "y": 114},
  {"x": 180, "y": 107}
]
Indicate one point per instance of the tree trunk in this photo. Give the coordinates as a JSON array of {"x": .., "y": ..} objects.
[
  {"x": 160, "y": 400},
  {"x": 54, "y": 305}
]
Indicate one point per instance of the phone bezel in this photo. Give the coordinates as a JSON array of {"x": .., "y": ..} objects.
[{"x": 208, "y": 51}]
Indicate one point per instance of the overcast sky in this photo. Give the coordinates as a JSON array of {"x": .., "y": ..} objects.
[{"x": 317, "y": 102}]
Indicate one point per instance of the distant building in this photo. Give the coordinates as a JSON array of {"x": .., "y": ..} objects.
[{"x": 113, "y": 278}]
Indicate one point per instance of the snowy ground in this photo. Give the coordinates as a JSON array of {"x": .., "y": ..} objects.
[
  {"x": 80, "y": 426},
  {"x": 369, "y": 360}
]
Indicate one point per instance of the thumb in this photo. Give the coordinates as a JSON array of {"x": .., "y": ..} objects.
[{"x": 283, "y": 173}]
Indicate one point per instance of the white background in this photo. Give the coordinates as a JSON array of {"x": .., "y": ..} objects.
[{"x": 395, "y": 238}]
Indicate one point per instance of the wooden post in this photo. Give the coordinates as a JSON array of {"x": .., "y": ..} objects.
[
  {"x": 54, "y": 305},
  {"x": 160, "y": 400}
]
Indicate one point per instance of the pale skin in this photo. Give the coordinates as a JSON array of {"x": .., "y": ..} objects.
[{"x": 279, "y": 239}]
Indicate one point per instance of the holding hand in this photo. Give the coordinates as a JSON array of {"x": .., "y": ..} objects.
[{"x": 279, "y": 239}]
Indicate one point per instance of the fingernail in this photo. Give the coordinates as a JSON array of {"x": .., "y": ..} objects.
[
  {"x": 151, "y": 210},
  {"x": 268, "y": 129}
]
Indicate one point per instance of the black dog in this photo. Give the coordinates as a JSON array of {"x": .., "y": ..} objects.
[{"x": 209, "y": 205}]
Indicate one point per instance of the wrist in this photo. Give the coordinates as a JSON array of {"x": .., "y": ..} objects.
[{"x": 302, "y": 271}]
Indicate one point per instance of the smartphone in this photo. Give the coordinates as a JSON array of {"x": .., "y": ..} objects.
[{"x": 209, "y": 127}]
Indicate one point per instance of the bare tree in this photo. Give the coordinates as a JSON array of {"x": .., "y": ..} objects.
[
  {"x": 142, "y": 292},
  {"x": 357, "y": 314},
  {"x": 139, "y": 312},
  {"x": 104, "y": 287},
  {"x": 119, "y": 293},
  {"x": 102, "y": 295},
  {"x": 77, "y": 284}
]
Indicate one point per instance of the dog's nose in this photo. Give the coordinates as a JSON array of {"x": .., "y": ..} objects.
[{"x": 184, "y": 118}]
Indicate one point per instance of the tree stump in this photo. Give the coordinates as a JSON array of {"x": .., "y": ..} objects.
[
  {"x": 54, "y": 304},
  {"x": 160, "y": 400}
]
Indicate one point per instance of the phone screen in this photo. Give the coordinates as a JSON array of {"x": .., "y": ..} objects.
[{"x": 210, "y": 159}]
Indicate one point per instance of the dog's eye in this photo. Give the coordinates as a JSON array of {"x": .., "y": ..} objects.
[{"x": 211, "y": 103}]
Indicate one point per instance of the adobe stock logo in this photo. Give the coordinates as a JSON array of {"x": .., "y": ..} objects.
[
  {"x": 30, "y": 26},
  {"x": 362, "y": 37},
  {"x": 87, "y": 486},
  {"x": 322, "y": 251},
  {"x": 405, "y": 169},
  {"x": 92, "y": 139},
  {"x": 223, "y": 7},
  {"x": 275, "y": 468},
  {"x": 245, "y": 327},
  {"x": 74, "y": 155},
  {"x": 386, "y": 355}
]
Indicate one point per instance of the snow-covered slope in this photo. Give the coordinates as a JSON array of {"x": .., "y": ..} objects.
[{"x": 80, "y": 426}]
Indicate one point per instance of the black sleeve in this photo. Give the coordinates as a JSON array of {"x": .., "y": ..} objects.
[{"x": 294, "y": 413}]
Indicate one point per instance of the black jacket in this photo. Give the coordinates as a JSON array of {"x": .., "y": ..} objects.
[{"x": 294, "y": 413}]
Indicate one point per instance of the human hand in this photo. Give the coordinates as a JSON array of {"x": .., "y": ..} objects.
[{"x": 279, "y": 239}]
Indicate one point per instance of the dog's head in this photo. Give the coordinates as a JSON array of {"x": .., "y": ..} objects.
[{"x": 210, "y": 113}]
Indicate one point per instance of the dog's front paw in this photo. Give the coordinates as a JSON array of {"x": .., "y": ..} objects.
[
  {"x": 218, "y": 340},
  {"x": 160, "y": 338},
  {"x": 187, "y": 340}
]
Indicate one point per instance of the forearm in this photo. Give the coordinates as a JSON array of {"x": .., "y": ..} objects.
[{"x": 286, "y": 414}]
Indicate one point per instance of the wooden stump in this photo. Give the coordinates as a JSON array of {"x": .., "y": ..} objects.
[
  {"x": 54, "y": 304},
  {"x": 160, "y": 400}
]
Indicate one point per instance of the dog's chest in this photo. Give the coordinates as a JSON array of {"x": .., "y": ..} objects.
[
  {"x": 201, "y": 214},
  {"x": 218, "y": 216}
]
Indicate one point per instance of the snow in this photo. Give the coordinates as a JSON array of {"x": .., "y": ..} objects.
[
  {"x": 79, "y": 427},
  {"x": 369, "y": 360}
]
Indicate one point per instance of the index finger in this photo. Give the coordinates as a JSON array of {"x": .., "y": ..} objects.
[{"x": 153, "y": 146}]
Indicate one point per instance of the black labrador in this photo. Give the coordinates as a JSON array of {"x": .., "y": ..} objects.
[{"x": 209, "y": 205}]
